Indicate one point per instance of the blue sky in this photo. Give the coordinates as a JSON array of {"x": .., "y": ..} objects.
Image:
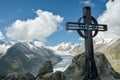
[{"x": 69, "y": 10}]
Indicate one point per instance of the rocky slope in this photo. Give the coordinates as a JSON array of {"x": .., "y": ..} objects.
[
  {"x": 25, "y": 57},
  {"x": 105, "y": 71},
  {"x": 112, "y": 52},
  {"x": 111, "y": 49},
  {"x": 78, "y": 49}
]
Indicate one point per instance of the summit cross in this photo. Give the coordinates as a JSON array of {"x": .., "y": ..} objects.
[{"x": 88, "y": 27}]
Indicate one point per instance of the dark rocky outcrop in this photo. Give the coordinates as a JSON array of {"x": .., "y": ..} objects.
[
  {"x": 45, "y": 68},
  {"x": 76, "y": 70},
  {"x": 46, "y": 73},
  {"x": 26, "y": 76}
]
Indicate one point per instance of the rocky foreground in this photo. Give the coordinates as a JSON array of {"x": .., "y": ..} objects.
[{"x": 74, "y": 72}]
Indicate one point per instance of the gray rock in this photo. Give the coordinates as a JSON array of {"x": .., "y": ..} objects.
[
  {"x": 46, "y": 68},
  {"x": 46, "y": 73},
  {"x": 26, "y": 76},
  {"x": 105, "y": 69},
  {"x": 76, "y": 69},
  {"x": 58, "y": 75}
]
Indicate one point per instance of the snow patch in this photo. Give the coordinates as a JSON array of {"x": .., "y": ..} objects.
[
  {"x": 30, "y": 56},
  {"x": 3, "y": 49},
  {"x": 39, "y": 44},
  {"x": 105, "y": 41},
  {"x": 30, "y": 45}
]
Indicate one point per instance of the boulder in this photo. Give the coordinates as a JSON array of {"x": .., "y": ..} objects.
[
  {"x": 46, "y": 73},
  {"x": 46, "y": 68}
]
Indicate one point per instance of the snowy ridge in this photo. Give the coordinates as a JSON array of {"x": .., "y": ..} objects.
[
  {"x": 63, "y": 47},
  {"x": 3, "y": 47},
  {"x": 106, "y": 41}
]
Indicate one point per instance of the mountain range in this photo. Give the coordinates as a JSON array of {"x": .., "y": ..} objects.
[{"x": 24, "y": 57}]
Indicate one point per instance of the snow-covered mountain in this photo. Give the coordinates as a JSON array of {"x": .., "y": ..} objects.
[
  {"x": 63, "y": 46},
  {"x": 25, "y": 57},
  {"x": 3, "y": 47}
]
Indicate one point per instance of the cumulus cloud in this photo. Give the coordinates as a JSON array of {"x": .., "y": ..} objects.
[
  {"x": 1, "y": 36},
  {"x": 39, "y": 28},
  {"x": 110, "y": 17}
]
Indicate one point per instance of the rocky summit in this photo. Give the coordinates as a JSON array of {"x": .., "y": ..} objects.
[{"x": 75, "y": 71}]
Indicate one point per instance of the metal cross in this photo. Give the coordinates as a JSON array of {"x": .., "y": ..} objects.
[{"x": 87, "y": 27}]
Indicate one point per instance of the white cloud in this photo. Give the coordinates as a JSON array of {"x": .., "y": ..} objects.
[
  {"x": 111, "y": 18},
  {"x": 41, "y": 27},
  {"x": 87, "y": 3},
  {"x": 1, "y": 36}
]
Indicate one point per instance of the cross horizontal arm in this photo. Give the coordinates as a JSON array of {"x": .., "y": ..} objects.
[
  {"x": 74, "y": 26},
  {"x": 82, "y": 26}
]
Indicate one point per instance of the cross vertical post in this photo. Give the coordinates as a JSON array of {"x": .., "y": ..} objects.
[
  {"x": 91, "y": 70},
  {"x": 86, "y": 30}
]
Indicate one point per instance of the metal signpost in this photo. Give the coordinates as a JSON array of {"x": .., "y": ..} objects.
[{"x": 87, "y": 27}]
